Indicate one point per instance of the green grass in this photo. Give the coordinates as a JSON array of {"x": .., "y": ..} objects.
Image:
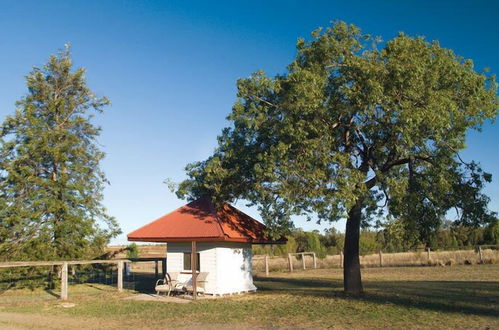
[{"x": 405, "y": 297}]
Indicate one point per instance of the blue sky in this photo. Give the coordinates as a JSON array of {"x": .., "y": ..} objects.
[{"x": 170, "y": 67}]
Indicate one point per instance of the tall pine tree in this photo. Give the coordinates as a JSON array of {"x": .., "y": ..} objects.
[{"x": 50, "y": 181}]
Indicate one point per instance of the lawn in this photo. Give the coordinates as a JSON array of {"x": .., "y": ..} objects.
[{"x": 403, "y": 297}]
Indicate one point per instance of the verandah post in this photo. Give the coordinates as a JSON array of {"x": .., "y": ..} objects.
[
  {"x": 194, "y": 270},
  {"x": 163, "y": 267}
]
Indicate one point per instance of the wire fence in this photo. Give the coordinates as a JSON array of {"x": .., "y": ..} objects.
[
  {"x": 484, "y": 254},
  {"x": 48, "y": 277},
  {"x": 103, "y": 277},
  {"x": 33, "y": 282}
]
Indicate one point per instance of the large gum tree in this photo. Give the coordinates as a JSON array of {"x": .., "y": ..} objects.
[{"x": 354, "y": 129}]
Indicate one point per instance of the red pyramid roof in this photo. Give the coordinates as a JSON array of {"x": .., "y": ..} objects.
[{"x": 199, "y": 221}]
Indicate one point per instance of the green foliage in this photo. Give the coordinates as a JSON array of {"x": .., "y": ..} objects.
[
  {"x": 351, "y": 123},
  {"x": 277, "y": 250},
  {"x": 314, "y": 244},
  {"x": 392, "y": 237},
  {"x": 395, "y": 236},
  {"x": 368, "y": 242},
  {"x": 132, "y": 251},
  {"x": 50, "y": 181},
  {"x": 491, "y": 234}
]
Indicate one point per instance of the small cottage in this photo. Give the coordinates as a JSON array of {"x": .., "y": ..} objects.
[{"x": 221, "y": 240}]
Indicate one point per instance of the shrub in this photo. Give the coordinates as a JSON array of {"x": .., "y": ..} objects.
[{"x": 132, "y": 251}]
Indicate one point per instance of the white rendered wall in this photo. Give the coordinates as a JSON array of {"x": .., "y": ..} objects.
[
  {"x": 228, "y": 264},
  {"x": 234, "y": 268}
]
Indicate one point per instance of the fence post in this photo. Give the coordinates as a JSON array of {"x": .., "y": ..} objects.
[
  {"x": 64, "y": 281},
  {"x": 428, "y": 251},
  {"x": 266, "y": 265},
  {"x": 315, "y": 261},
  {"x": 156, "y": 272},
  {"x": 303, "y": 260},
  {"x": 480, "y": 253},
  {"x": 341, "y": 259},
  {"x": 120, "y": 275},
  {"x": 290, "y": 262},
  {"x": 380, "y": 258}
]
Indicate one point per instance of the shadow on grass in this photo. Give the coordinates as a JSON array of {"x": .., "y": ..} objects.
[
  {"x": 474, "y": 298},
  {"x": 145, "y": 282},
  {"x": 52, "y": 293}
]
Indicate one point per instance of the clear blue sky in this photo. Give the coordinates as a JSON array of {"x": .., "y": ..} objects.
[{"x": 170, "y": 68}]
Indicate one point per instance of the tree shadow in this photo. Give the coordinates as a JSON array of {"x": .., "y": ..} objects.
[
  {"x": 52, "y": 293},
  {"x": 144, "y": 282},
  {"x": 233, "y": 222},
  {"x": 473, "y": 298}
]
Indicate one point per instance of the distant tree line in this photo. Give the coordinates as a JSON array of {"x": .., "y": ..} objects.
[{"x": 391, "y": 237}]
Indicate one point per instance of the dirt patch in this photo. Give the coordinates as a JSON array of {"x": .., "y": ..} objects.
[
  {"x": 16, "y": 321},
  {"x": 37, "y": 321}
]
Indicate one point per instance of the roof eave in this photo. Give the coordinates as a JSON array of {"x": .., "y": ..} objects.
[{"x": 204, "y": 239}]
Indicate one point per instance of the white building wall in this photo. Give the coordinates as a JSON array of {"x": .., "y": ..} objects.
[
  {"x": 228, "y": 264},
  {"x": 234, "y": 268}
]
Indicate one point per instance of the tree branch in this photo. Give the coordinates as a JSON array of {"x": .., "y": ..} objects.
[
  {"x": 264, "y": 101},
  {"x": 387, "y": 166}
]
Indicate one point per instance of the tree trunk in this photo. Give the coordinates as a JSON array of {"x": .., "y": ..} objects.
[{"x": 352, "y": 281}]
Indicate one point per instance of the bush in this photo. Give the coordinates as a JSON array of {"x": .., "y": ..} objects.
[{"x": 132, "y": 251}]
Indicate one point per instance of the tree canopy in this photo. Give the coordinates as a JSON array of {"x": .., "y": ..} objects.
[
  {"x": 50, "y": 181},
  {"x": 355, "y": 129}
]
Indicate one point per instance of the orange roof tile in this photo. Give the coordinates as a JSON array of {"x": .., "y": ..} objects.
[{"x": 199, "y": 221}]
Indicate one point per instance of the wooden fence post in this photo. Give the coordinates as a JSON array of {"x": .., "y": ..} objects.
[
  {"x": 303, "y": 260},
  {"x": 480, "y": 253},
  {"x": 266, "y": 265},
  {"x": 64, "y": 281},
  {"x": 120, "y": 275},
  {"x": 315, "y": 261},
  {"x": 290, "y": 262},
  {"x": 429, "y": 257},
  {"x": 380, "y": 258},
  {"x": 341, "y": 259}
]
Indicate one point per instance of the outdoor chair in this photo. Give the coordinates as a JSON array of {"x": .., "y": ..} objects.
[
  {"x": 200, "y": 283},
  {"x": 168, "y": 284}
]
